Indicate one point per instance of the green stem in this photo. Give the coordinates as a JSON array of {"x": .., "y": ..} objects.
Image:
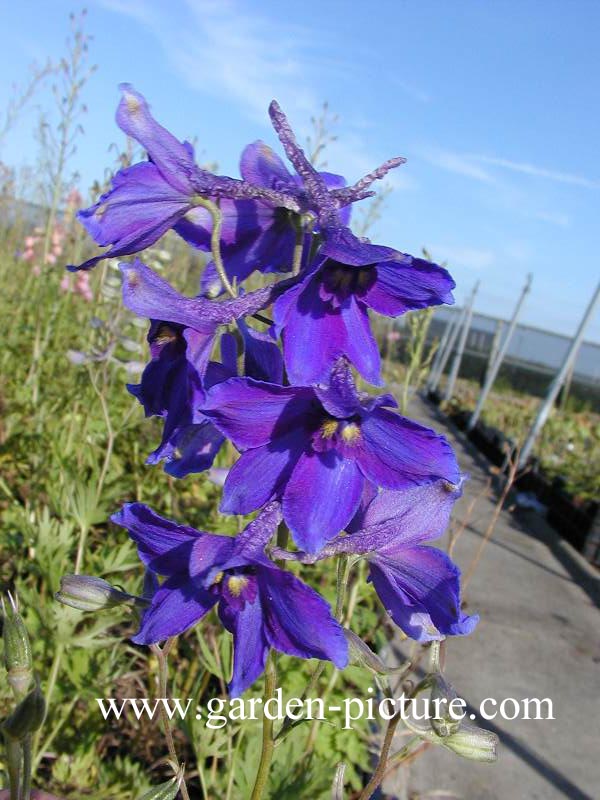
[
  {"x": 54, "y": 732},
  {"x": 379, "y": 773},
  {"x": 298, "y": 248},
  {"x": 83, "y": 533},
  {"x": 262, "y": 775},
  {"x": 162, "y": 655},
  {"x": 232, "y": 765},
  {"x": 27, "y": 768},
  {"x": 215, "y": 241},
  {"x": 14, "y": 757},
  {"x": 54, "y": 670}
]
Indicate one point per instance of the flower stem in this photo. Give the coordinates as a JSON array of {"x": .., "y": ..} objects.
[
  {"x": 27, "y": 769},
  {"x": 215, "y": 241},
  {"x": 14, "y": 757},
  {"x": 298, "y": 248},
  {"x": 162, "y": 655},
  {"x": 379, "y": 773},
  {"x": 52, "y": 678},
  {"x": 267, "y": 739}
]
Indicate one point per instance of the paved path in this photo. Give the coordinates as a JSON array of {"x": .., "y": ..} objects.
[{"x": 539, "y": 636}]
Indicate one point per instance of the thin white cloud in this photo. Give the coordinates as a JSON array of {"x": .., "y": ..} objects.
[
  {"x": 458, "y": 163},
  {"x": 538, "y": 172},
  {"x": 475, "y": 166},
  {"x": 228, "y": 50}
]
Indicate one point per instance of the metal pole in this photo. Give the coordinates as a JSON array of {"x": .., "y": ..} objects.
[
  {"x": 494, "y": 348},
  {"x": 450, "y": 325},
  {"x": 493, "y": 372},
  {"x": 554, "y": 388},
  {"x": 449, "y": 347},
  {"x": 453, "y": 374}
]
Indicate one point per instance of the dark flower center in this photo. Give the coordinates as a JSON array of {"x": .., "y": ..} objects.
[{"x": 341, "y": 280}]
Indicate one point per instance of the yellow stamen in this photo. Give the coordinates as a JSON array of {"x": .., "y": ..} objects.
[
  {"x": 328, "y": 428},
  {"x": 165, "y": 334},
  {"x": 351, "y": 433},
  {"x": 236, "y": 584},
  {"x": 218, "y": 578}
]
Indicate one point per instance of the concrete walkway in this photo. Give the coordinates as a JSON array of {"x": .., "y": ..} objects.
[{"x": 539, "y": 636}]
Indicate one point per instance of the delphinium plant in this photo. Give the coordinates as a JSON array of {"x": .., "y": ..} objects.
[{"x": 325, "y": 470}]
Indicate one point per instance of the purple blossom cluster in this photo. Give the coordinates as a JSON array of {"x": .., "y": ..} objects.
[{"x": 339, "y": 467}]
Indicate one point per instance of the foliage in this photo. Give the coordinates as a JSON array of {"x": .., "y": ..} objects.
[{"x": 568, "y": 446}]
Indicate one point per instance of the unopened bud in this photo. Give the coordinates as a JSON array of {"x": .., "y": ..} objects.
[
  {"x": 17, "y": 649},
  {"x": 87, "y": 593},
  {"x": 442, "y": 694},
  {"x": 27, "y": 717},
  {"x": 473, "y": 743},
  {"x": 361, "y": 655}
]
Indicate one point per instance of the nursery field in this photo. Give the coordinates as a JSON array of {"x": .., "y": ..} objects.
[{"x": 568, "y": 447}]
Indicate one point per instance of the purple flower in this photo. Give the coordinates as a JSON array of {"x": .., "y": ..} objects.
[
  {"x": 314, "y": 447},
  {"x": 262, "y": 235},
  {"x": 181, "y": 338},
  {"x": 149, "y": 198},
  {"x": 321, "y": 193},
  {"x": 418, "y": 585},
  {"x": 255, "y": 235},
  {"x": 326, "y": 315},
  {"x": 260, "y": 604}
]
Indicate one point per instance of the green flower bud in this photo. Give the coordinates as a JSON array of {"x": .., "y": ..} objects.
[
  {"x": 27, "y": 717},
  {"x": 87, "y": 593},
  {"x": 442, "y": 695},
  {"x": 17, "y": 649},
  {"x": 361, "y": 655},
  {"x": 472, "y": 742}
]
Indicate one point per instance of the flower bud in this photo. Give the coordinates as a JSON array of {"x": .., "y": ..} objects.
[
  {"x": 442, "y": 695},
  {"x": 87, "y": 593},
  {"x": 17, "y": 650},
  {"x": 27, "y": 717},
  {"x": 361, "y": 655},
  {"x": 472, "y": 742}
]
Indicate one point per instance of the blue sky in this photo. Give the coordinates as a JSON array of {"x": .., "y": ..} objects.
[{"x": 495, "y": 105}]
